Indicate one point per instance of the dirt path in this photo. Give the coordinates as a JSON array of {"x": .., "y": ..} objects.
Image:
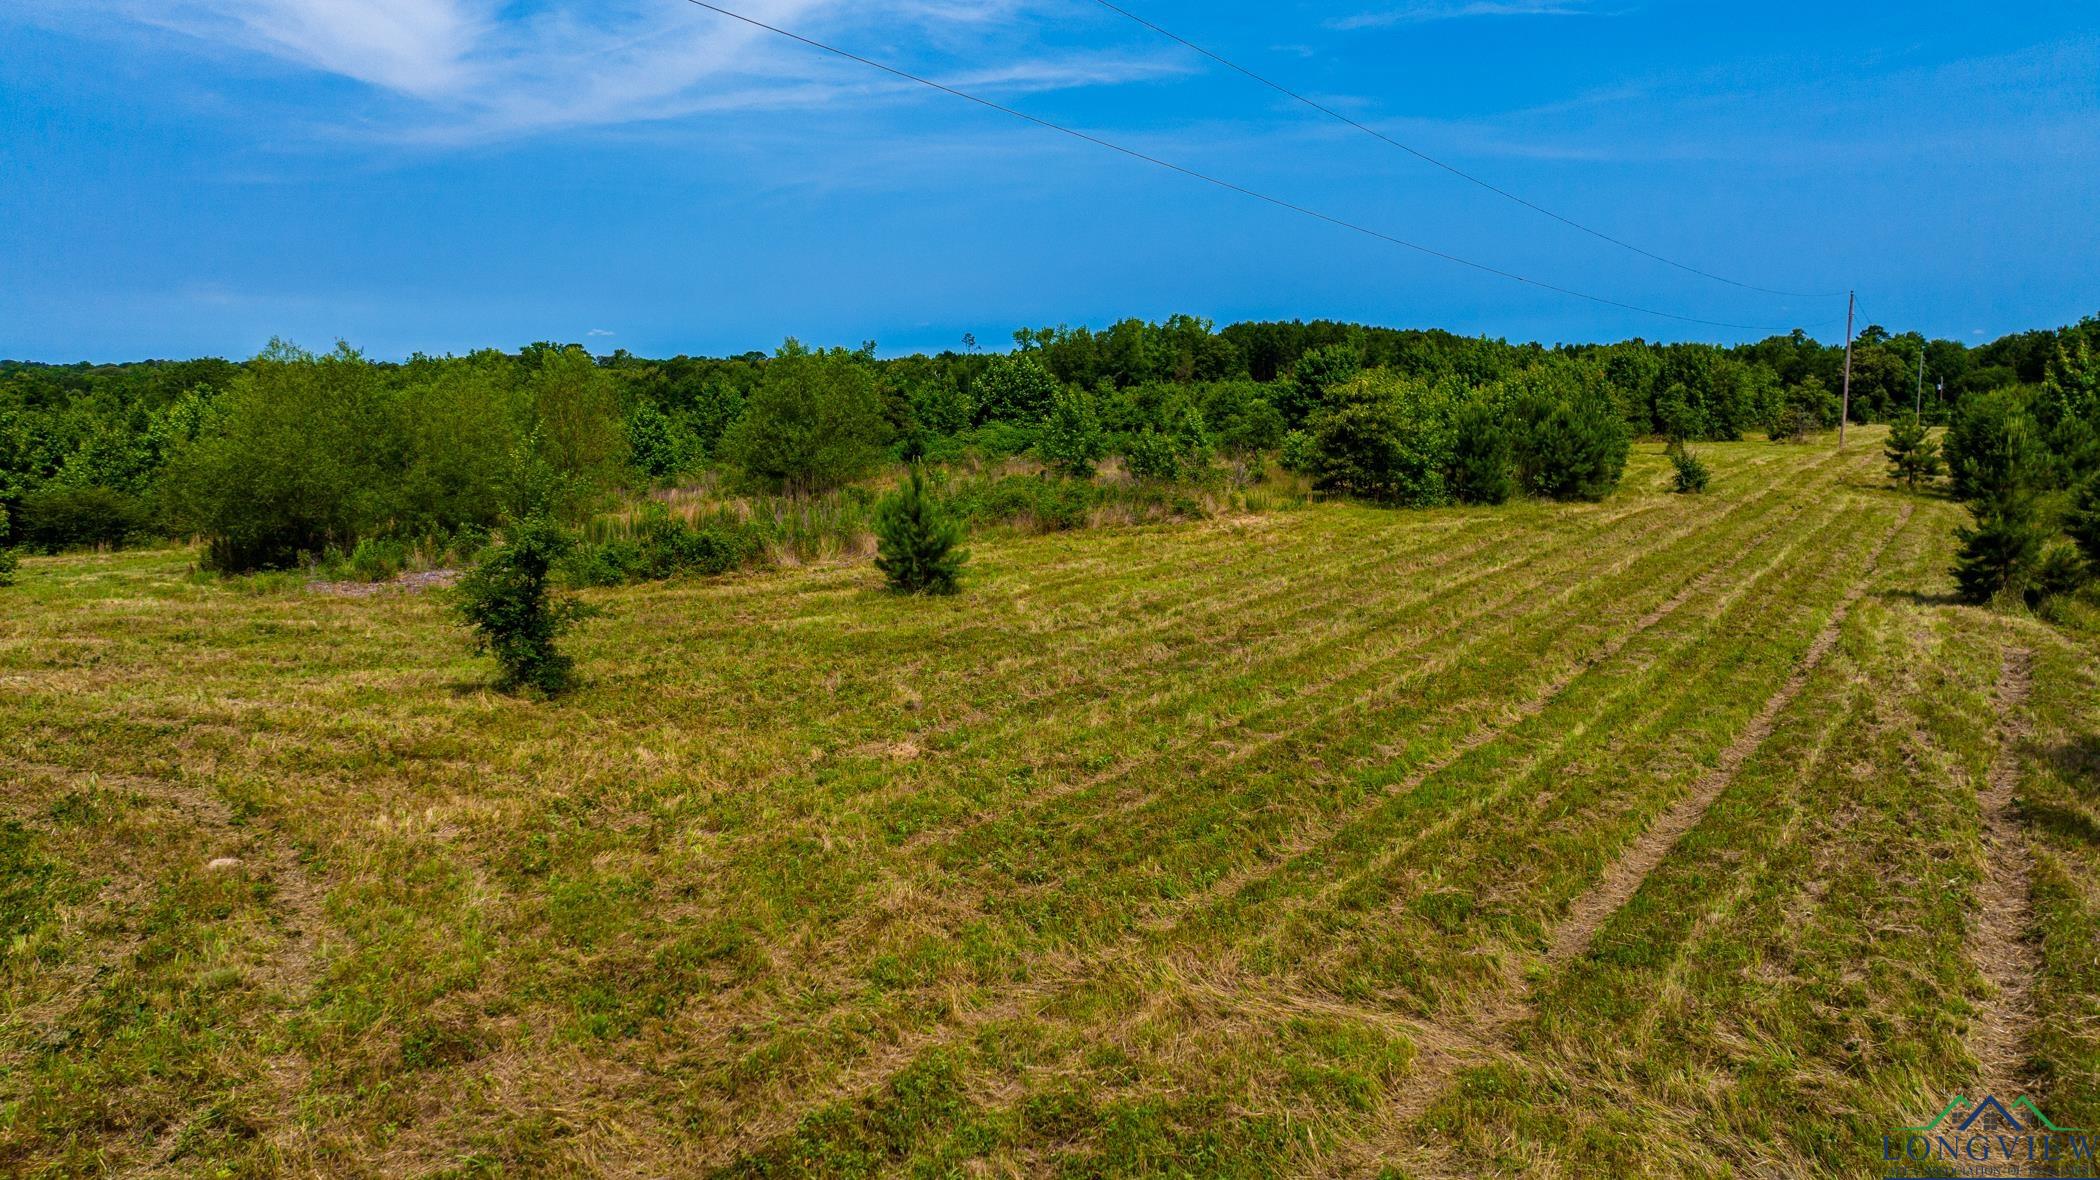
[{"x": 2004, "y": 915}]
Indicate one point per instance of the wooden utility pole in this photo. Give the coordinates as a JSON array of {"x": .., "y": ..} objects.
[
  {"x": 1845, "y": 414},
  {"x": 1921, "y": 383}
]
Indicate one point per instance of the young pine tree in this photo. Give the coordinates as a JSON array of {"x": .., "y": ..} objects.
[
  {"x": 916, "y": 541},
  {"x": 1692, "y": 475},
  {"x": 2000, "y": 552},
  {"x": 508, "y": 602},
  {"x": 2083, "y": 521},
  {"x": 1913, "y": 458}
]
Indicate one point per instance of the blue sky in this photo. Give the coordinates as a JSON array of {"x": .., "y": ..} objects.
[{"x": 184, "y": 177}]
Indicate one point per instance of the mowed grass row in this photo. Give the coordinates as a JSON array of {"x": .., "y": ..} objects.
[
  {"x": 2058, "y": 800},
  {"x": 1162, "y": 846},
  {"x": 1792, "y": 982},
  {"x": 1219, "y": 1084}
]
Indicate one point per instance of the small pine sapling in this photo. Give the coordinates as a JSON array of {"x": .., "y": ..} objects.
[
  {"x": 1913, "y": 457},
  {"x": 916, "y": 541},
  {"x": 1692, "y": 475}
]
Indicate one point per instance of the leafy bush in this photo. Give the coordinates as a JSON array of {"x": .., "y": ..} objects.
[
  {"x": 1014, "y": 389},
  {"x": 1050, "y": 504},
  {"x": 1257, "y": 427},
  {"x": 55, "y": 518},
  {"x": 1190, "y": 434},
  {"x": 1071, "y": 438},
  {"x": 1152, "y": 455},
  {"x": 1316, "y": 372},
  {"x": 9, "y": 563},
  {"x": 916, "y": 541},
  {"x": 814, "y": 423},
  {"x": 1298, "y": 452},
  {"x": 659, "y": 545},
  {"x": 1692, "y": 475},
  {"x": 660, "y": 445},
  {"x": 508, "y": 602}
]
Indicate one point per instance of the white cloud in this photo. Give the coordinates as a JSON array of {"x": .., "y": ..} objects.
[
  {"x": 1439, "y": 10},
  {"x": 461, "y": 70}
]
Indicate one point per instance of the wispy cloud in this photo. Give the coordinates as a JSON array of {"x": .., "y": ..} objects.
[
  {"x": 1440, "y": 10},
  {"x": 470, "y": 70}
]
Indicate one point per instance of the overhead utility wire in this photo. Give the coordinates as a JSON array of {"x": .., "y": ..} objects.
[
  {"x": 1224, "y": 184},
  {"x": 1426, "y": 158}
]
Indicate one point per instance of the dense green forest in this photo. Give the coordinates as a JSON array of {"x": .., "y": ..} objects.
[{"x": 295, "y": 457}]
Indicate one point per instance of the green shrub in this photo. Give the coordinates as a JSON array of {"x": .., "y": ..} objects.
[
  {"x": 1013, "y": 389},
  {"x": 1298, "y": 453},
  {"x": 376, "y": 560},
  {"x": 2083, "y": 520},
  {"x": 1385, "y": 438},
  {"x": 2060, "y": 572},
  {"x": 508, "y": 602},
  {"x": 1257, "y": 427},
  {"x": 1317, "y": 371},
  {"x": 55, "y": 518},
  {"x": 916, "y": 541},
  {"x": 1190, "y": 435},
  {"x": 1691, "y": 474},
  {"x": 1152, "y": 455},
  {"x": 1570, "y": 445},
  {"x": 9, "y": 563},
  {"x": 1913, "y": 457},
  {"x": 300, "y": 459},
  {"x": 658, "y": 545},
  {"x": 1071, "y": 439},
  {"x": 814, "y": 423}
]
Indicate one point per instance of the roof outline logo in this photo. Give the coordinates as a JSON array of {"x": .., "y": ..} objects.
[
  {"x": 2025, "y": 1105},
  {"x": 1990, "y": 1102}
]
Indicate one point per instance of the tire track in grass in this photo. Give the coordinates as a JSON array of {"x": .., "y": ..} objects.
[
  {"x": 1589, "y": 913},
  {"x": 296, "y": 907},
  {"x": 1513, "y": 1003},
  {"x": 2000, "y": 940}
]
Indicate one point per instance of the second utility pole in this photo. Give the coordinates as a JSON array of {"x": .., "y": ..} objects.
[{"x": 1845, "y": 415}]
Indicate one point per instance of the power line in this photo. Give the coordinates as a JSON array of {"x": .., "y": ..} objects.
[
  {"x": 1426, "y": 158},
  {"x": 1206, "y": 178}
]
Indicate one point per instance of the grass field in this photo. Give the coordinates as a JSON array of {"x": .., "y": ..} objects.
[{"x": 1668, "y": 836}]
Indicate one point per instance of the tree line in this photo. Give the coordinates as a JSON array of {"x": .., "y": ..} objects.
[{"x": 291, "y": 455}]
